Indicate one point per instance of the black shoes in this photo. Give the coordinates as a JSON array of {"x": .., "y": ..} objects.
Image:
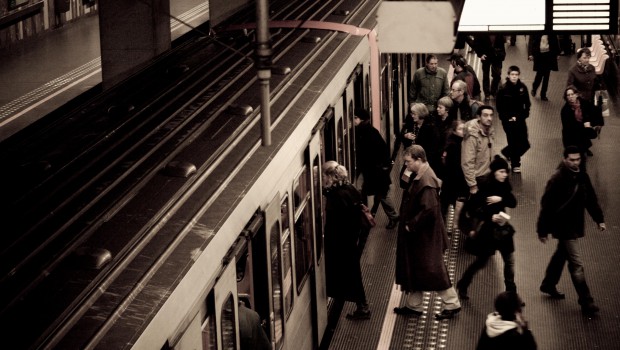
[
  {"x": 392, "y": 223},
  {"x": 447, "y": 314},
  {"x": 359, "y": 314},
  {"x": 406, "y": 311},
  {"x": 462, "y": 290},
  {"x": 589, "y": 309},
  {"x": 553, "y": 293},
  {"x": 544, "y": 98},
  {"x": 589, "y": 153}
]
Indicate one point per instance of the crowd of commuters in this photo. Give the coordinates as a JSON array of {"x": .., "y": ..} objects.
[{"x": 451, "y": 159}]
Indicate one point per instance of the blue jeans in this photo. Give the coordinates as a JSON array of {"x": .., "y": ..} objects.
[{"x": 568, "y": 250}]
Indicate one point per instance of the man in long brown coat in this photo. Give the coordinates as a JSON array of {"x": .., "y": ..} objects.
[{"x": 422, "y": 240}]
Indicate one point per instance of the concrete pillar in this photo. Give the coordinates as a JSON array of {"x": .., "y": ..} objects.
[{"x": 132, "y": 33}]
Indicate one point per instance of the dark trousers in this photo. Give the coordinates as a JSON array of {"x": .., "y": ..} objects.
[
  {"x": 495, "y": 70},
  {"x": 568, "y": 250},
  {"x": 518, "y": 144},
  {"x": 480, "y": 262},
  {"x": 541, "y": 76}
]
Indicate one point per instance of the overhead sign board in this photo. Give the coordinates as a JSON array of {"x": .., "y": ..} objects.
[
  {"x": 415, "y": 26},
  {"x": 572, "y": 16}
]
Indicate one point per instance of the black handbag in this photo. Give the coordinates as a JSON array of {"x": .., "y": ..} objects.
[{"x": 502, "y": 232}]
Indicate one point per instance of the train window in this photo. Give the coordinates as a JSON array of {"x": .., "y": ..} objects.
[
  {"x": 303, "y": 227},
  {"x": 340, "y": 141},
  {"x": 351, "y": 166},
  {"x": 227, "y": 323},
  {"x": 13, "y": 4},
  {"x": 276, "y": 286},
  {"x": 287, "y": 258},
  {"x": 209, "y": 338}
]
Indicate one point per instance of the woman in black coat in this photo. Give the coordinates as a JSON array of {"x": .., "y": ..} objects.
[
  {"x": 579, "y": 117},
  {"x": 493, "y": 196},
  {"x": 342, "y": 231}
]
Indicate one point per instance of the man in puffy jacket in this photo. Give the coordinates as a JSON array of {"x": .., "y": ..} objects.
[{"x": 477, "y": 146}]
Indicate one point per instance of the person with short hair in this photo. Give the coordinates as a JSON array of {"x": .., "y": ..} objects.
[
  {"x": 583, "y": 75},
  {"x": 513, "y": 106},
  {"x": 430, "y": 83},
  {"x": 466, "y": 73},
  {"x": 443, "y": 121},
  {"x": 422, "y": 240},
  {"x": 477, "y": 148},
  {"x": 463, "y": 108},
  {"x": 568, "y": 194},
  {"x": 373, "y": 161},
  {"x": 543, "y": 50},
  {"x": 506, "y": 328},
  {"x": 491, "y": 49}
]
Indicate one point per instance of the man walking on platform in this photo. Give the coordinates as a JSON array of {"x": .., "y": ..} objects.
[
  {"x": 568, "y": 193},
  {"x": 477, "y": 147},
  {"x": 513, "y": 107},
  {"x": 422, "y": 240}
]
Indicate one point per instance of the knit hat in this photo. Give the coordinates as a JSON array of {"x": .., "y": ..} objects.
[
  {"x": 499, "y": 163},
  {"x": 461, "y": 62},
  {"x": 362, "y": 114}
]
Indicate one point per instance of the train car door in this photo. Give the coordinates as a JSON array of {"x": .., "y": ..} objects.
[
  {"x": 225, "y": 295},
  {"x": 348, "y": 114},
  {"x": 273, "y": 232},
  {"x": 319, "y": 295}
]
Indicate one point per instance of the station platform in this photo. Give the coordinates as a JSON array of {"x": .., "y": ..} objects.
[
  {"x": 42, "y": 73},
  {"x": 556, "y": 324}
]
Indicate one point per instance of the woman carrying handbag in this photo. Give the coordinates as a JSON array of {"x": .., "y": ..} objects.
[{"x": 491, "y": 231}]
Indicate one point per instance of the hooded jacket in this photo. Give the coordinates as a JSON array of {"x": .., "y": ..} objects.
[
  {"x": 476, "y": 151},
  {"x": 505, "y": 335}
]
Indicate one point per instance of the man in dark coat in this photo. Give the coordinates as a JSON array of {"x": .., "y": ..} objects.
[
  {"x": 492, "y": 52},
  {"x": 422, "y": 240},
  {"x": 544, "y": 50},
  {"x": 252, "y": 336},
  {"x": 374, "y": 163},
  {"x": 568, "y": 193}
]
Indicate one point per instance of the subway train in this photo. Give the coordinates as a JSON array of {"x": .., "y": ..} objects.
[{"x": 244, "y": 219}]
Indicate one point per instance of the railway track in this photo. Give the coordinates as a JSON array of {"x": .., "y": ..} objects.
[{"x": 106, "y": 187}]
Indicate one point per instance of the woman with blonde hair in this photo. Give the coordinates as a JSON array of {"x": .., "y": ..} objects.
[{"x": 343, "y": 226}]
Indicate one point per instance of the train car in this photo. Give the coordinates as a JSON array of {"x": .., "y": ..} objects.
[
  {"x": 269, "y": 247},
  {"x": 246, "y": 221}
]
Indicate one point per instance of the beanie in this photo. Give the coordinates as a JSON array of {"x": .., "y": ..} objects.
[
  {"x": 499, "y": 163},
  {"x": 362, "y": 114}
]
